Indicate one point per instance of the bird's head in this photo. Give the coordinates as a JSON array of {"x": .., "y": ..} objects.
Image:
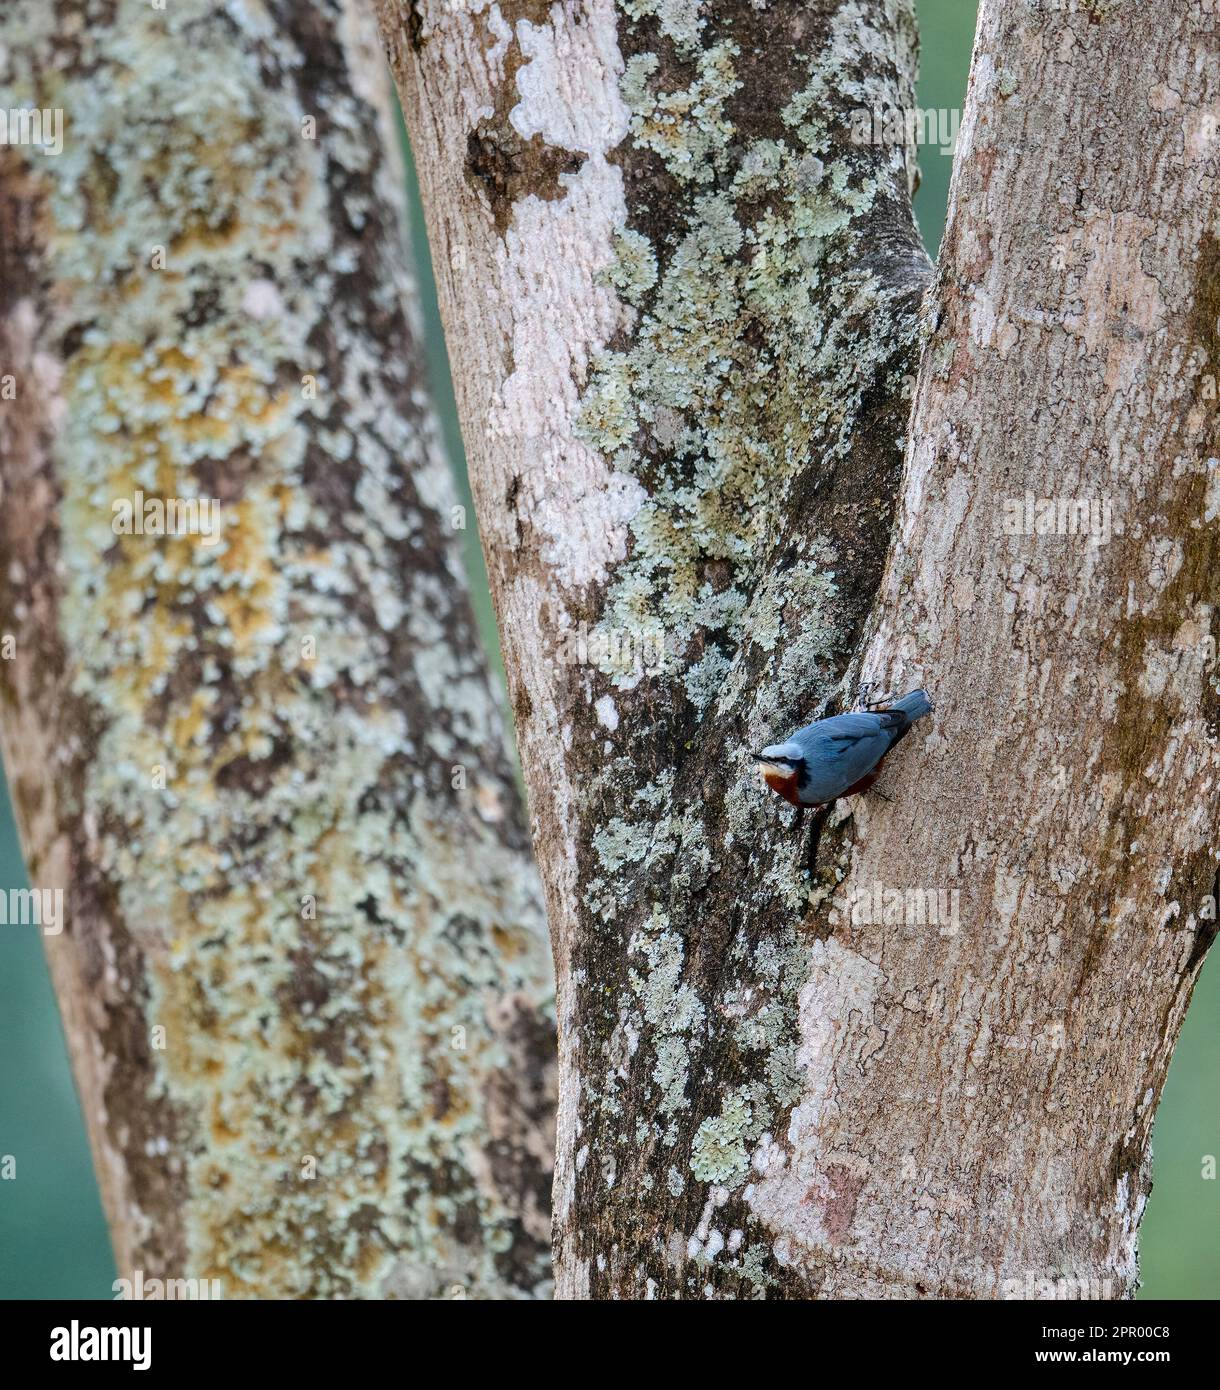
[{"x": 780, "y": 765}]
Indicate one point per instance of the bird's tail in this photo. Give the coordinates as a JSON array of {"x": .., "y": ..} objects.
[{"x": 914, "y": 706}]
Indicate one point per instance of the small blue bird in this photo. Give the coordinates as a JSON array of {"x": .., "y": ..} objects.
[{"x": 840, "y": 756}]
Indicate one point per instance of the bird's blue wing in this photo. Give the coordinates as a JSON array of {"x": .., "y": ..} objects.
[
  {"x": 840, "y": 751},
  {"x": 848, "y": 728}
]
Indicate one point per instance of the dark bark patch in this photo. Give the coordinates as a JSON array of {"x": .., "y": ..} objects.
[{"x": 508, "y": 167}]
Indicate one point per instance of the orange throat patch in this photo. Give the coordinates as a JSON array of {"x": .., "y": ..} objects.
[{"x": 782, "y": 783}]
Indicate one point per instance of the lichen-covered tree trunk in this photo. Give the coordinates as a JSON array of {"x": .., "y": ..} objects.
[
  {"x": 302, "y": 966},
  {"x": 682, "y": 297}
]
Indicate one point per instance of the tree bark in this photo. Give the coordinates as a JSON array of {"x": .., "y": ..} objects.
[
  {"x": 683, "y": 308},
  {"x": 302, "y": 975}
]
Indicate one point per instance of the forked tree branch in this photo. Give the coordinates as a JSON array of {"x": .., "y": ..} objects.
[{"x": 682, "y": 307}]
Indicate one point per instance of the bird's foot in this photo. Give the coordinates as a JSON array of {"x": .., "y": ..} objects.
[{"x": 866, "y": 698}]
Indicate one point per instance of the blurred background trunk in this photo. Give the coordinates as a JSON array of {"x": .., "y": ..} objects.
[{"x": 302, "y": 966}]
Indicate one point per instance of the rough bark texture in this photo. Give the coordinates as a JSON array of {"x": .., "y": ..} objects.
[
  {"x": 303, "y": 973},
  {"x": 681, "y": 306}
]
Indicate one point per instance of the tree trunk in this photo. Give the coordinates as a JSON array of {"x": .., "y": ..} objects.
[
  {"x": 302, "y": 970},
  {"x": 682, "y": 303}
]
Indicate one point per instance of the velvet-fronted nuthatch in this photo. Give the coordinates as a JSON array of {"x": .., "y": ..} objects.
[
  {"x": 839, "y": 756},
  {"x": 835, "y": 757}
]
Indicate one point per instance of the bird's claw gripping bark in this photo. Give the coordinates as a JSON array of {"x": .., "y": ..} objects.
[{"x": 864, "y": 697}]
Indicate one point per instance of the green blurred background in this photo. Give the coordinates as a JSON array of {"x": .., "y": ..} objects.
[{"x": 53, "y": 1241}]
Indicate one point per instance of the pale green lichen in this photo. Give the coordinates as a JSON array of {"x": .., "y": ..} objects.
[
  {"x": 672, "y": 1008},
  {"x": 755, "y": 1270},
  {"x": 687, "y": 128},
  {"x": 734, "y": 424},
  {"x": 619, "y": 843},
  {"x": 762, "y": 1012},
  {"x": 671, "y": 1073},
  {"x": 646, "y": 842},
  {"x": 679, "y": 20},
  {"x": 719, "y": 1152},
  {"x": 669, "y": 1005},
  {"x": 705, "y": 679},
  {"x": 792, "y": 618},
  {"x": 633, "y": 272}
]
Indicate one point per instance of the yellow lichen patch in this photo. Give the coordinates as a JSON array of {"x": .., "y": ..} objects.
[{"x": 188, "y": 728}]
